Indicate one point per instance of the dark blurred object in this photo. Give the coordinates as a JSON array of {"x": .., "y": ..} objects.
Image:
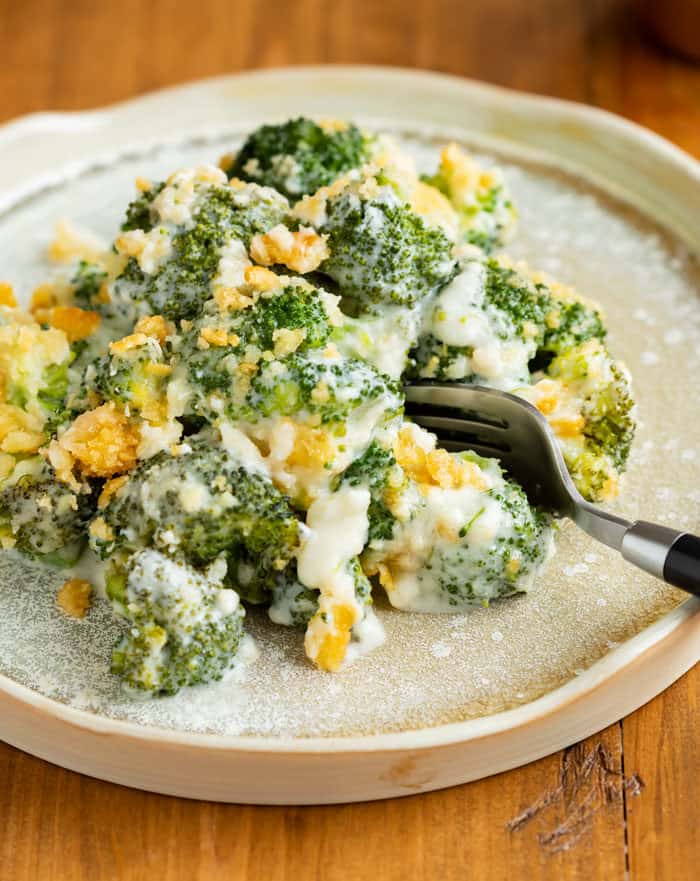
[{"x": 674, "y": 23}]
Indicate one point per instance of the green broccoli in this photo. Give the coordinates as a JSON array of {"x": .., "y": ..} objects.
[
  {"x": 463, "y": 546},
  {"x": 184, "y": 626},
  {"x": 201, "y": 504},
  {"x": 293, "y": 604},
  {"x": 381, "y": 252},
  {"x": 136, "y": 378},
  {"x": 34, "y": 363},
  {"x": 91, "y": 291},
  {"x": 327, "y": 389},
  {"x": 587, "y": 398},
  {"x": 480, "y": 197},
  {"x": 42, "y": 516},
  {"x": 200, "y": 238},
  {"x": 311, "y": 386},
  {"x": 569, "y": 323},
  {"x": 300, "y": 156},
  {"x": 140, "y": 213},
  {"x": 378, "y": 470},
  {"x": 492, "y": 324},
  {"x": 86, "y": 282},
  {"x": 264, "y": 327}
]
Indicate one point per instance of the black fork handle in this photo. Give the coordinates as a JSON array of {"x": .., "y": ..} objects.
[{"x": 664, "y": 552}]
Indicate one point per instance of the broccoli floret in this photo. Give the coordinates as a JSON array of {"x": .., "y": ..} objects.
[
  {"x": 198, "y": 243},
  {"x": 91, "y": 291},
  {"x": 293, "y": 604},
  {"x": 378, "y": 470},
  {"x": 201, "y": 504},
  {"x": 139, "y": 212},
  {"x": 381, "y": 252},
  {"x": 325, "y": 388},
  {"x": 491, "y": 324},
  {"x": 463, "y": 545},
  {"x": 34, "y": 365},
  {"x": 480, "y": 197},
  {"x": 53, "y": 396},
  {"x": 44, "y": 517},
  {"x": 135, "y": 377},
  {"x": 569, "y": 323},
  {"x": 300, "y": 156},
  {"x": 294, "y": 307},
  {"x": 184, "y": 627},
  {"x": 309, "y": 386},
  {"x": 483, "y": 327},
  {"x": 587, "y": 398},
  {"x": 86, "y": 283}
]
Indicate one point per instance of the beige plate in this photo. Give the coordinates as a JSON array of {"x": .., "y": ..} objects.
[{"x": 604, "y": 205}]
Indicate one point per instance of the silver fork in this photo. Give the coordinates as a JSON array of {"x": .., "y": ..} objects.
[{"x": 508, "y": 428}]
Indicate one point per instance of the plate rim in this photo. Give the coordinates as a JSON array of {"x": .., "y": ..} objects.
[
  {"x": 559, "y": 699},
  {"x": 571, "y": 692}
]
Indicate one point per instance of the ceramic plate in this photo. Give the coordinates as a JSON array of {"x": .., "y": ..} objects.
[{"x": 604, "y": 205}]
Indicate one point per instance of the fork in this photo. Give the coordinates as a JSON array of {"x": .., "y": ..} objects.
[{"x": 499, "y": 425}]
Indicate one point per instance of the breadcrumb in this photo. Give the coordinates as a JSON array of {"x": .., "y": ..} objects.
[
  {"x": 7, "y": 295},
  {"x": 102, "y": 442},
  {"x": 77, "y": 324},
  {"x": 302, "y": 251},
  {"x": 74, "y": 597},
  {"x": 155, "y": 326},
  {"x": 110, "y": 489}
]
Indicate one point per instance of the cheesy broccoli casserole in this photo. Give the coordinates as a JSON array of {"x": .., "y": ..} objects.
[{"x": 213, "y": 404}]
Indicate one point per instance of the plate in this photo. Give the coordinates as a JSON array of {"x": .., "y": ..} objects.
[{"x": 604, "y": 205}]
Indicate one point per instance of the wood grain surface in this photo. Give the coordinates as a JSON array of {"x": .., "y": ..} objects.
[{"x": 622, "y": 804}]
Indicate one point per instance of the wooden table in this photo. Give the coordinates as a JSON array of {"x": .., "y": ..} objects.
[{"x": 622, "y": 804}]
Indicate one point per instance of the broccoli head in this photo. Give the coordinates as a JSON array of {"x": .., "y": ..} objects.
[
  {"x": 34, "y": 363},
  {"x": 184, "y": 626},
  {"x": 136, "y": 377},
  {"x": 323, "y": 390},
  {"x": 43, "y": 517},
  {"x": 86, "y": 284},
  {"x": 381, "y": 252},
  {"x": 469, "y": 537},
  {"x": 300, "y": 156},
  {"x": 293, "y": 604},
  {"x": 195, "y": 239},
  {"x": 378, "y": 470},
  {"x": 492, "y": 323},
  {"x": 243, "y": 382},
  {"x": 569, "y": 322},
  {"x": 293, "y": 317},
  {"x": 201, "y": 504},
  {"x": 587, "y": 399},
  {"x": 480, "y": 197},
  {"x": 140, "y": 213}
]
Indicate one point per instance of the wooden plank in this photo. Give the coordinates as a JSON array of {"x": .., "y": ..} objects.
[
  {"x": 661, "y": 742},
  {"x": 561, "y": 817}
]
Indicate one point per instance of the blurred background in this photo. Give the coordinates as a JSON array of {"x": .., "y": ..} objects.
[{"x": 633, "y": 57}]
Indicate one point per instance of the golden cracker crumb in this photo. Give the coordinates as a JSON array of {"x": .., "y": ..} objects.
[
  {"x": 110, "y": 489},
  {"x": 155, "y": 326},
  {"x": 7, "y": 295},
  {"x": 74, "y": 597},
  {"x": 102, "y": 442}
]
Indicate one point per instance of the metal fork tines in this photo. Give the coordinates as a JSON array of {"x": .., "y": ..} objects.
[
  {"x": 462, "y": 429},
  {"x": 503, "y": 426}
]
